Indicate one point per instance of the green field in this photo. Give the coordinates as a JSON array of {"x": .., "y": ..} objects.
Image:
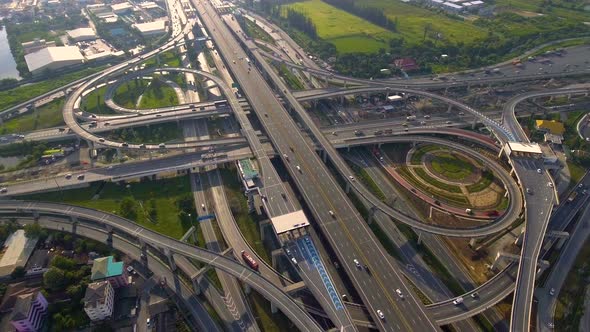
[
  {"x": 347, "y": 32},
  {"x": 46, "y": 116},
  {"x": 451, "y": 167},
  {"x": 158, "y": 94},
  {"x": 164, "y": 193},
  {"x": 21, "y": 94},
  {"x": 94, "y": 102},
  {"x": 411, "y": 21},
  {"x": 561, "y": 8}
]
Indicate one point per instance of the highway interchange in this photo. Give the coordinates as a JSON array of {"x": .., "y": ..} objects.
[{"x": 304, "y": 156}]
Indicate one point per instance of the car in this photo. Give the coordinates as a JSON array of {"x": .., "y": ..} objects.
[
  {"x": 399, "y": 293},
  {"x": 552, "y": 291},
  {"x": 158, "y": 115},
  {"x": 351, "y": 177},
  {"x": 62, "y": 129},
  {"x": 292, "y": 149},
  {"x": 367, "y": 269},
  {"x": 581, "y": 185},
  {"x": 332, "y": 214},
  {"x": 286, "y": 156},
  {"x": 3, "y": 190},
  {"x": 161, "y": 145},
  {"x": 356, "y": 262},
  {"x": 448, "y": 122},
  {"x": 549, "y": 184},
  {"x": 288, "y": 251},
  {"x": 294, "y": 260},
  {"x": 458, "y": 301},
  {"x": 380, "y": 314},
  {"x": 529, "y": 191},
  {"x": 539, "y": 171},
  {"x": 130, "y": 269},
  {"x": 298, "y": 168},
  {"x": 584, "y": 192},
  {"x": 124, "y": 145},
  {"x": 80, "y": 177},
  {"x": 101, "y": 140},
  {"x": 344, "y": 297},
  {"x": 474, "y": 295},
  {"x": 283, "y": 195},
  {"x": 148, "y": 323},
  {"x": 203, "y": 207},
  {"x": 69, "y": 176},
  {"x": 336, "y": 134}
]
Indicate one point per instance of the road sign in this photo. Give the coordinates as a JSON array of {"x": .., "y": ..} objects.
[{"x": 206, "y": 217}]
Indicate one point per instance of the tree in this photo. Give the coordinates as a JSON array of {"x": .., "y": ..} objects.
[
  {"x": 35, "y": 231},
  {"x": 54, "y": 279},
  {"x": 128, "y": 208},
  {"x": 18, "y": 272},
  {"x": 63, "y": 322},
  {"x": 63, "y": 263}
]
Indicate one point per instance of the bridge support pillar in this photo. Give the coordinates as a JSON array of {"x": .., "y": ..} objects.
[
  {"x": 36, "y": 215},
  {"x": 170, "y": 257},
  {"x": 472, "y": 242},
  {"x": 519, "y": 238},
  {"x": 372, "y": 212},
  {"x": 419, "y": 242},
  {"x": 446, "y": 90},
  {"x": 561, "y": 236},
  {"x": 569, "y": 96},
  {"x": 273, "y": 308},
  {"x": 196, "y": 286},
  {"x": 543, "y": 265},
  {"x": 324, "y": 156},
  {"x": 347, "y": 187},
  {"x": 474, "y": 123},
  {"x": 450, "y": 108},
  {"x": 247, "y": 289}
]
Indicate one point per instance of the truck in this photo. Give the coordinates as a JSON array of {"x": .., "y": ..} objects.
[
  {"x": 572, "y": 196},
  {"x": 411, "y": 118},
  {"x": 249, "y": 260}
]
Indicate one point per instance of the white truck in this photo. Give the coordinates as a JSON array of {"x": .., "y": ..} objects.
[{"x": 411, "y": 118}]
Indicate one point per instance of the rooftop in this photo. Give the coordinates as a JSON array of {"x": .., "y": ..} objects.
[
  {"x": 22, "y": 306},
  {"x": 121, "y": 6},
  {"x": 96, "y": 293},
  {"x": 81, "y": 32},
  {"x": 48, "y": 55},
  {"x": 19, "y": 249},
  {"x": 247, "y": 169},
  {"x": 104, "y": 267},
  {"x": 150, "y": 27},
  {"x": 289, "y": 221},
  {"x": 524, "y": 147},
  {"x": 554, "y": 127}
]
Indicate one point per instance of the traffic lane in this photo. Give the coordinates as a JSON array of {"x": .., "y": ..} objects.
[
  {"x": 270, "y": 99},
  {"x": 276, "y": 295}
]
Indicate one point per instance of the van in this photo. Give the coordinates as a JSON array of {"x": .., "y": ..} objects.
[
  {"x": 298, "y": 168},
  {"x": 458, "y": 301},
  {"x": 332, "y": 213}
]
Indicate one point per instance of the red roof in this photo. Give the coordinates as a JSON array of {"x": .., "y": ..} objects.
[{"x": 406, "y": 64}]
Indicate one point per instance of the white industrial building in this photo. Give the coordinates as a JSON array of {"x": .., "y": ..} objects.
[
  {"x": 121, "y": 8},
  {"x": 99, "y": 300},
  {"x": 151, "y": 28},
  {"x": 53, "y": 58},
  {"x": 19, "y": 249},
  {"x": 82, "y": 34}
]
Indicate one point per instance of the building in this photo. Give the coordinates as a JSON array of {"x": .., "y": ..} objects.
[
  {"x": 406, "y": 64},
  {"x": 452, "y": 7},
  {"x": 121, "y": 8},
  {"x": 82, "y": 34},
  {"x": 99, "y": 300},
  {"x": 516, "y": 149},
  {"x": 52, "y": 58},
  {"x": 248, "y": 172},
  {"x": 19, "y": 249},
  {"x": 554, "y": 139},
  {"x": 151, "y": 28},
  {"x": 550, "y": 126},
  {"x": 105, "y": 269},
  {"x": 29, "y": 312},
  {"x": 35, "y": 45}
]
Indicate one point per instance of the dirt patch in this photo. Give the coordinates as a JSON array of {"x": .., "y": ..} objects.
[
  {"x": 488, "y": 198},
  {"x": 476, "y": 262}
]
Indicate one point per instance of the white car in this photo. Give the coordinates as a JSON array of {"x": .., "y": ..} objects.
[
  {"x": 539, "y": 171},
  {"x": 356, "y": 262},
  {"x": 380, "y": 314},
  {"x": 351, "y": 177},
  {"x": 549, "y": 184},
  {"x": 399, "y": 293},
  {"x": 298, "y": 168}
]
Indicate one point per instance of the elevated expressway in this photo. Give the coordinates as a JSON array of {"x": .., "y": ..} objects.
[
  {"x": 323, "y": 194},
  {"x": 110, "y": 223}
]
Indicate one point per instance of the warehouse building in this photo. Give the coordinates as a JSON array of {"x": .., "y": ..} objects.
[
  {"x": 82, "y": 34},
  {"x": 52, "y": 58},
  {"x": 151, "y": 28}
]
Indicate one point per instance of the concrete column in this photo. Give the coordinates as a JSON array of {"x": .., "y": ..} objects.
[
  {"x": 36, "y": 215},
  {"x": 474, "y": 123},
  {"x": 324, "y": 156},
  {"x": 446, "y": 90},
  {"x": 520, "y": 237},
  {"x": 347, "y": 187},
  {"x": 472, "y": 242},
  {"x": 419, "y": 238},
  {"x": 247, "y": 289},
  {"x": 560, "y": 243},
  {"x": 496, "y": 261},
  {"x": 273, "y": 308},
  {"x": 450, "y": 108},
  {"x": 196, "y": 286},
  {"x": 170, "y": 257}
]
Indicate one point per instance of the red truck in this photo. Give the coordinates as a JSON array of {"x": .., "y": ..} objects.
[{"x": 249, "y": 260}]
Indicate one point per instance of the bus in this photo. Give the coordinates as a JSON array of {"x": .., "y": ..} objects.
[{"x": 249, "y": 260}]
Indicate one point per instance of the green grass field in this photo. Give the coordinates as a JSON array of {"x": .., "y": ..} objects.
[
  {"x": 94, "y": 102},
  {"x": 412, "y": 19},
  {"x": 561, "y": 8},
  {"x": 164, "y": 192},
  {"x": 158, "y": 94},
  {"x": 347, "y": 32},
  {"x": 46, "y": 116},
  {"x": 451, "y": 167}
]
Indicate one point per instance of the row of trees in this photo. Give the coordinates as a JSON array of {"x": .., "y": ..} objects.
[
  {"x": 301, "y": 22},
  {"x": 373, "y": 15}
]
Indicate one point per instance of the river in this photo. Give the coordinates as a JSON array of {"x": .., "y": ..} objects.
[{"x": 7, "y": 63}]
